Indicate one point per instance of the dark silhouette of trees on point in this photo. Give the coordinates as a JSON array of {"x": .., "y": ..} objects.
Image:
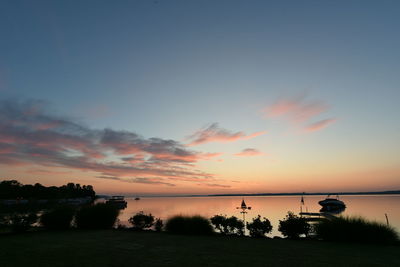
[{"x": 12, "y": 189}]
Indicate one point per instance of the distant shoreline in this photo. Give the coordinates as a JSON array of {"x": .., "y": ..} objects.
[{"x": 395, "y": 192}]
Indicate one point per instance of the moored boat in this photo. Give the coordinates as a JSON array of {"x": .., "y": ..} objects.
[
  {"x": 118, "y": 201},
  {"x": 333, "y": 205}
]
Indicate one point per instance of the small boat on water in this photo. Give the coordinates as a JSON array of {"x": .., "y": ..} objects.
[
  {"x": 137, "y": 198},
  {"x": 118, "y": 201},
  {"x": 333, "y": 205}
]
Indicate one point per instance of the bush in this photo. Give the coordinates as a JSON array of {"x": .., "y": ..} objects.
[
  {"x": 158, "y": 226},
  {"x": 195, "y": 225},
  {"x": 141, "y": 220},
  {"x": 228, "y": 225},
  {"x": 59, "y": 218},
  {"x": 219, "y": 222},
  {"x": 19, "y": 222},
  {"x": 258, "y": 227},
  {"x": 293, "y": 226},
  {"x": 355, "y": 229},
  {"x": 99, "y": 216}
]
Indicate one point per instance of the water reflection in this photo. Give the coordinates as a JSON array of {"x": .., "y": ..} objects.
[{"x": 273, "y": 207}]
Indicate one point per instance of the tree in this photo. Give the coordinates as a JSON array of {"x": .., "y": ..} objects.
[
  {"x": 218, "y": 221},
  {"x": 293, "y": 226},
  {"x": 258, "y": 227},
  {"x": 228, "y": 225},
  {"x": 141, "y": 221},
  {"x": 12, "y": 189},
  {"x": 158, "y": 226}
]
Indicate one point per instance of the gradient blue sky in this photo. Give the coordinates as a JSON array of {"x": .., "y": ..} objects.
[{"x": 169, "y": 68}]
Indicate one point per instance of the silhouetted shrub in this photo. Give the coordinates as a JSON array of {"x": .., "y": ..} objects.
[
  {"x": 121, "y": 226},
  {"x": 258, "y": 227},
  {"x": 158, "y": 226},
  {"x": 228, "y": 225},
  {"x": 355, "y": 229},
  {"x": 99, "y": 216},
  {"x": 195, "y": 225},
  {"x": 141, "y": 220},
  {"x": 218, "y": 221},
  {"x": 59, "y": 218},
  {"x": 293, "y": 226},
  {"x": 19, "y": 222}
]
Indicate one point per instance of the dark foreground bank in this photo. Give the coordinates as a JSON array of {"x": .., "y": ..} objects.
[{"x": 129, "y": 248}]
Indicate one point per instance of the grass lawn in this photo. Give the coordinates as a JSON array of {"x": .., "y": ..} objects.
[{"x": 126, "y": 248}]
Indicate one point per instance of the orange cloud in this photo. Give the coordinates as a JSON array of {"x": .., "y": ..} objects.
[
  {"x": 214, "y": 133},
  {"x": 316, "y": 126},
  {"x": 248, "y": 152},
  {"x": 215, "y": 185}
]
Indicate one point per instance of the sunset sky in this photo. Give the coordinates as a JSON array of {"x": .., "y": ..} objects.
[{"x": 201, "y": 97}]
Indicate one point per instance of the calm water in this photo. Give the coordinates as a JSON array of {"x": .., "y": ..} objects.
[{"x": 272, "y": 207}]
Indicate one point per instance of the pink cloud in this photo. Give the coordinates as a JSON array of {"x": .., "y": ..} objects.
[
  {"x": 296, "y": 109},
  {"x": 45, "y": 126},
  {"x": 6, "y": 148},
  {"x": 214, "y": 133},
  {"x": 248, "y": 152},
  {"x": 30, "y": 136},
  {"x": 300, "y": 111},
  {"x": 316, "y": 126}
]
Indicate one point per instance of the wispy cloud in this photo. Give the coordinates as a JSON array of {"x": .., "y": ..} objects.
[
  {"x": 248, "y": 152},
  {"x": 215, "y": 185},
  {"x": 139, "y": 180},
  {"x": 316, "y": 126},
  {"x": 300, "y": 111},
  {"x": 30, "y": 136},
  {"x": 214, "y": 133}
]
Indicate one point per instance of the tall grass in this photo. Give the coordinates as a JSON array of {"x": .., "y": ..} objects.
[
  {"x": 192, "y": 225},
  {"x": 355, "y": 229}
]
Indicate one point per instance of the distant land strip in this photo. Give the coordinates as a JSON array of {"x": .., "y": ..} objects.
[{"x": 394, "y": 192}]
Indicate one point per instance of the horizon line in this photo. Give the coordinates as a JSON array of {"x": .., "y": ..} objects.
[{"x": 386, "y": 192}]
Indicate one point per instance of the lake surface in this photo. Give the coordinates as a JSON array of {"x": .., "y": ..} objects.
[{"x": 273, "y": 207}]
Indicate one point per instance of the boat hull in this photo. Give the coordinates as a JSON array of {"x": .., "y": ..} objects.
[{"x": 332, "y": 205}]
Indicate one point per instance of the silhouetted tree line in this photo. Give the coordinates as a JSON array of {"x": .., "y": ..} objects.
[{"x": 12, "y": 189}]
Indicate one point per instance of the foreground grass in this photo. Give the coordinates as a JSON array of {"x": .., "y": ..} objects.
[{"x": 126, "y": 248}]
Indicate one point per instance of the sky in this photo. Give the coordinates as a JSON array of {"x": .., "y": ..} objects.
[{"x": 201, "y": 97}]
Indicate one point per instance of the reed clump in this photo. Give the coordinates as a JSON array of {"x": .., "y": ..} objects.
[
  {"x": 356, "y": 229},
  {"x": 190, "y": 225}
]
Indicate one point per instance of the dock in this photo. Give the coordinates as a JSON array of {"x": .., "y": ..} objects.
[{"x": 316, "y": 216}]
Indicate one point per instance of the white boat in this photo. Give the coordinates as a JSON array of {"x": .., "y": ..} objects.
[
  {"x": 332, "y": 204},
  {"x": 118, "y": 201}
]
